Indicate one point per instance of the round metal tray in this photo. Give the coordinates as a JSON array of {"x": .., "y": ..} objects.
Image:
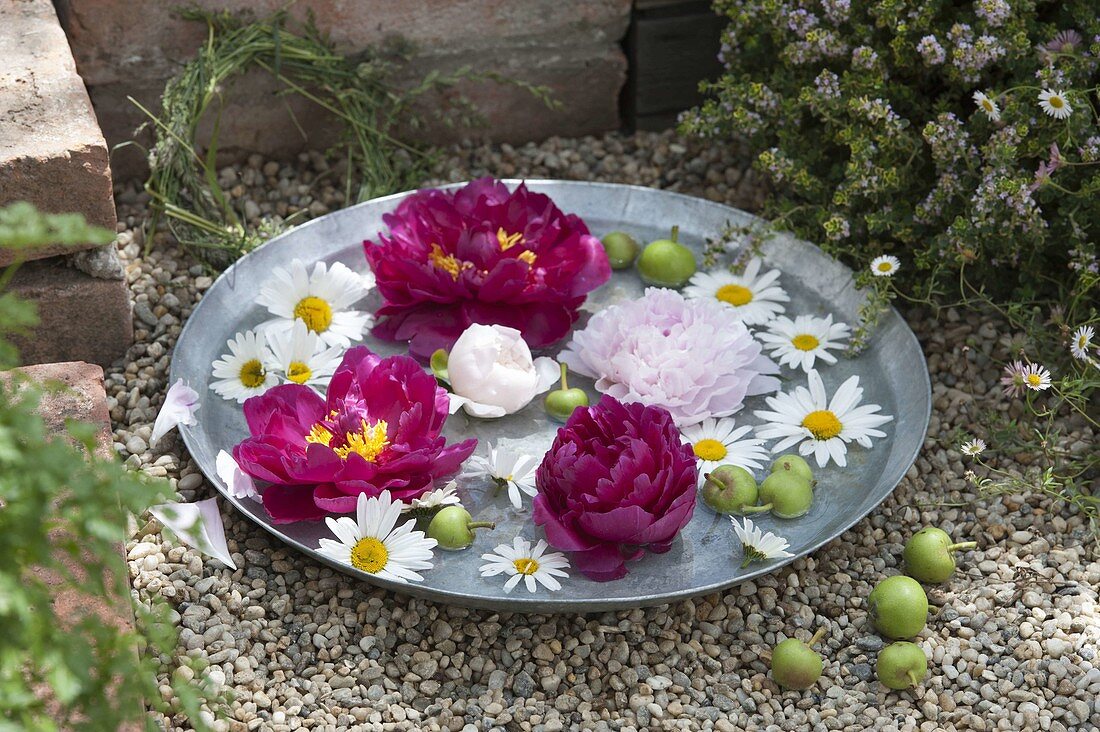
[{"x": 706, "y": 556}]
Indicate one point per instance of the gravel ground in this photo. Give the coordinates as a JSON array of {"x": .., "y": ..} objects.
[{"x": 1013, "y": 641}]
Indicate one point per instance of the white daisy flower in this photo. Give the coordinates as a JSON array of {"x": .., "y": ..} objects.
[
  {"x": 757, "y": 298},
  {"x": 244, "y": 372},
  {"x": 885, "y": 265},
  {"x": 800, "y": 342},
  {"x": 520, "y": 561},
  {"x": 973, "y": 447},
  {"x": 1082, "y": 341},
  {"x": 1036, "y": 377},
  {"x": 512, "y": 469},
  {"x": 438, "y": 498},
  {"x": 720, "y": 441},
  {"x": 1055, "y": 104},
  {"x": 757, "y": 545},
  {"x": 988, "y": 106},
  {"x": 371, "y": 543},
  {"x": 820, "y": 427},
  {"x": 300, "y": 355},
  {"x": 320, "y": 299}
]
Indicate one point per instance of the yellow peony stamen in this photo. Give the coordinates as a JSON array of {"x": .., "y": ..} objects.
[
  {"x": 709, "y": 449},
  {"x": 320, "y": 435},
  {"x": 805, "y": 342},
  {"x": 526, "y": 565},
  {"x": 299, "y": 372},
  {"x": 449, "y": 263},
  {"x": 506, "y": 240},
  {"x": 370, "y": 555},
  {"x": 315, "y": 312},
  {"x": 822, "y": 424},
  {"x": 734, "y": 294},
  {"x": 368, "y": 443},
  {"x": 528, "y": 257},
  {"x": 253, "y": 373}
]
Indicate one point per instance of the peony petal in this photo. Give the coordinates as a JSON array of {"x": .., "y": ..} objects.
[
  {"x": 198, "y": 525},
  {"x": 287, "y": 504},
  {"x": 179, "y": 407}
]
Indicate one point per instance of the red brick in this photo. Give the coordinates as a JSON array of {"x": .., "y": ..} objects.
[
  {"x": 83, "y": 318},
  {"x": 52, "y": 152}
]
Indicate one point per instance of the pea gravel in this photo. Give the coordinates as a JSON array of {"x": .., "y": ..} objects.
[{"x": 1013, "y": 641}]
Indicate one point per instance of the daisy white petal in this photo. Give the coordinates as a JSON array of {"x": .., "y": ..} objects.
[
  {"x": 757, "y": 545},
  {"x": 1055, "y": 103},
  {"x": 522, "y": 562},
  {"x": 973, "y": 447},
  {"x": 756, "y": 298},
  {"x": 1036, "y": 377},
  {"x": 179, "y": 407},
  {"x": 1082, "y": 342},
  {"x": 821, "y": 427},
  {"x": 244, "y": 372},
  {"x": 438, "y": 498},
  {"x": 988, "y": 106},
  {"x": 301, "y": 357},
  {"x": 320, "y": 299},
  {"x": 885, "y": 265},
  {"x": 720, "y": 442},
  {"x": 799, "y": 343},
  {"x": 372, "y": 544},
  {"x": 513, "y": 470}
]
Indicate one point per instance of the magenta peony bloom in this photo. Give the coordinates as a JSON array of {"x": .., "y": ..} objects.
[
  {"x": 483, "y": 255},
  {"x": 377, "y": 430},
  {"x": 616, "y": 481}
]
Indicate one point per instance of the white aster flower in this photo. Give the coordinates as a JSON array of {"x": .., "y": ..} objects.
[
  {"x": 756, "y": 298},
  {"x": 988, "y": 106},
  {"x": 800, "y": 342},
  {"x": 1055, "y": 104},
  {"x": 1036, "y": 377},
  {"x": 237, "y": 482},
  {"x": 320, "y": 299},
  {"x": 507, "y": 468},
  {"x": 370, "y": 543},
  {"x": 885, "y": 265},
  {"x": 179, "y": 407},
  {"x": 244, "y": 372},
  {"x": 820, "y": 427},
  {"x": 721, "y": 442},
  {"x": 438, "y": 498},
  {"x": 1082, "y": 341},
  {"x": 300, "y": 355},
  {"x": 973, "y": 447},
  {"x": 521, "y": 562},
  {"x": 757, "y": 545}
]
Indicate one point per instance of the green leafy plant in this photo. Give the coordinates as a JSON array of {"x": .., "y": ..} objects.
[
  {"x": 358, "y": 91},
  {"x": 60, "y": 500}
]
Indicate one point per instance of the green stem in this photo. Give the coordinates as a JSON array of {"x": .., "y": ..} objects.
[
  {"x": 564, "y": 370},
  {"x": 963, "y": 546},
  {"x": 913, "y": 677},
  {"x": 481, "y": 525},
  {"x": 756, "y": 509},
  {"x": 675, "y": 234},
  {"x": 817, "y": 637}
]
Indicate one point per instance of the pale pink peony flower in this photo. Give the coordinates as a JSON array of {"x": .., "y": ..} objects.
[{"x": 695, "y": 358}]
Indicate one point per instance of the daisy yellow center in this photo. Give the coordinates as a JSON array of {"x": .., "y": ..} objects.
[
  {"x": 320, "y": 435},
  {"x": 315, "y": 313},
  {"x": 368, "y": 442},
  {"x": 987, "y": 105},
  {"x": 370, "y": 555},
  {"x": 1056, "y": 102},
  {"x": 526, "y": 565},
  {"x": 506, "y": 240},
  {"x": 1034, "y": 379},
  {"x": 822, "y": 424},
  {"x": 299, "y": 372},
  {"x": 449, "y": 263},
  {"x": 885, "y": 266},
  {"x": 805, "y": 342},
  {"x": 709, "y": 449},
  {"x": 734, "y": 294},
  {"x": 252, "y": 373}
]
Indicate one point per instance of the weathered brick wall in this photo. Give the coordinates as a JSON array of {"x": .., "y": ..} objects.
[{"x": 130, "y": 47}]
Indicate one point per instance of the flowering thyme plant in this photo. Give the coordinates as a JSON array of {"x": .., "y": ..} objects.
[{"x": 962, "y": 136}]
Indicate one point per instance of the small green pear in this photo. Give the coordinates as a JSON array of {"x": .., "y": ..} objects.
[
  {"x": 787, "y": 495},
  {"x": 901, "y": 665},
  {"x": 795, "y": 664},
  {"x": 898, "y": 607},
  {"x": 622, "y": 249},
  {"x": 453, "y": 528},
  {"x": 930, "y": 555},
  {"x": 560, "y": 403},
  {"x": 794, "y": 464},
  {"x": 729, "y": 489},
  {"x": 666, "y": 262}
]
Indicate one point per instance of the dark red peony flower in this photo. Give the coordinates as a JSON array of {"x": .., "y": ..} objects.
[
  {"x": 378, "y": 429},
  {"x": 617, "y": 480},
  {"x": 482, "y": 254}
]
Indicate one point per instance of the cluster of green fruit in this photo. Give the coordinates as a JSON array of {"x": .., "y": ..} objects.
[
  {"x": 663, "y": 263},
  {"x": 898, "y": 609},
  {"x": 788, "y": 491}
]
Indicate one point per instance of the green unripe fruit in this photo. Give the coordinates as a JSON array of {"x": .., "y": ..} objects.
[
  {"x": 930, "y": 555},
  {"x": 453, "y": 528},
  {"x": 560, "y": 403},
  {"x": 786, "y": 494},
  {"x": 898, "y": 607},
  {"x": 666, "y": 262},
  {"x": 796, "y": 665},
  {"x": 901, "y": 665},
  {"x": 729, "y": 489},
  {"x": 794, "y": 464},
  {"x": 622, "y": 249}
]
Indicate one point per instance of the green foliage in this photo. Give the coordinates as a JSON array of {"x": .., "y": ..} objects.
[
  {"x": 359, "y": 91},
  {"x": 59, "y": 499}
]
